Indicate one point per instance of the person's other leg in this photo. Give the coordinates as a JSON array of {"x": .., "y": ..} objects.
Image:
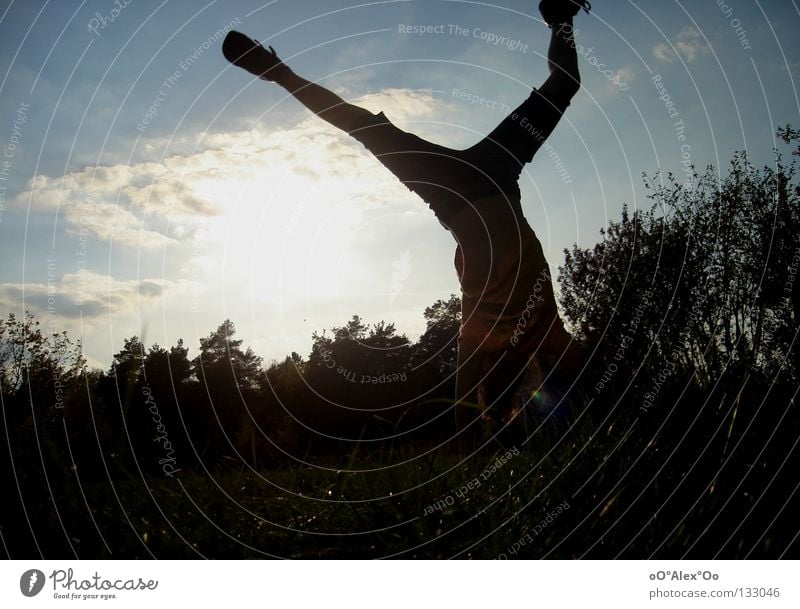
[
  {"x": 430, "y": 170},
  {"x": 248, "y": 54},
  {"x": 514, "y": 142},
  {"x": 434, "y": 172},
  {"x": 324, "y": 102},
  {"x": 562, "y": 60}
]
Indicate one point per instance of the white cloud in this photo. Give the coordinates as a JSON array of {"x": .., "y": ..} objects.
[
  {"x": 626, "y": 74},
  {"x": 663, "y": 52},
  {"x": 111, "y": 222},
  {"x": 621, "y": 79},
  {"x": 689, "y": 44},
  {"x": 400, "y": 104},
  {"x": 83, "y": 294}
]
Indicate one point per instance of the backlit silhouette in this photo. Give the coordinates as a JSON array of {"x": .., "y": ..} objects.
[{"x": 511, "y": 328}]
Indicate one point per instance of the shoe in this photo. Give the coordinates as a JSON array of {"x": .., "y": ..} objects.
[
  {"x": 561, "y": 11},
  {"x": 248, "y": 54}
]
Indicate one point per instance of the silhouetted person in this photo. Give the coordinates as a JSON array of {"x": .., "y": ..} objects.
[{"x": 510, "y": 322}]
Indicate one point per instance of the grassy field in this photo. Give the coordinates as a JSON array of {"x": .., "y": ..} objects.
[{"x": 700, "y": 482}]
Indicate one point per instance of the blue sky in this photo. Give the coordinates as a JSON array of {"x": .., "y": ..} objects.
[{"x": 230, "y": 201}]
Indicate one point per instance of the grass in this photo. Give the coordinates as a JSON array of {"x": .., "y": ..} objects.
[{"x": 635, "y": 488}]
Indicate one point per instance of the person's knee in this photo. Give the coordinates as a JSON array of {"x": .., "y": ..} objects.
[
  {"x": 350, "y": 118},
  {"x": 560, "y": 88},
  {"x": 566, "y": 85},
  {"x": 574, "y": 84}
]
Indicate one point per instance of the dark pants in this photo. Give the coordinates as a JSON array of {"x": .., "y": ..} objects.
[{"x": 448, "y": 179}]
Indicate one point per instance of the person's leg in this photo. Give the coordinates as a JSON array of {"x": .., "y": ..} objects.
[
  {"x": 323, "y": 102},
  {"x": 562, "y": 60},
  {"x": 514, "y": 142},
  {"x": 434, "y": 172},
  {"x": 249, "y": 55}
]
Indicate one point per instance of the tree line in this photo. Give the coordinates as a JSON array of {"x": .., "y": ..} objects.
[{"x": 692, "y": 299}]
